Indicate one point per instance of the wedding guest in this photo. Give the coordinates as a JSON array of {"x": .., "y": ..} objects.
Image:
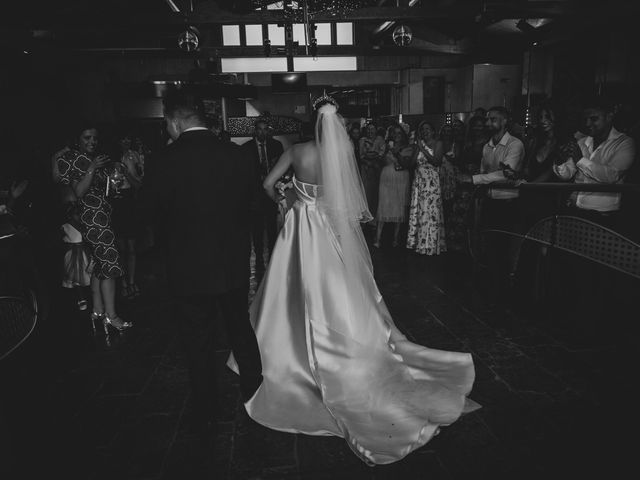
[
  {"x": 354, "y": 135},
  {"x": 606, "y": 156},
  {"x": 426, "y": 223},
  {"x": 124, "y": 219},
  {"x": 480, "y": 112},
  {"x": 393, "y": 193},
  {"x": 214, "y": 125},
  {"x": 451, "y": 150},
  {"x": 143, "y": 153},
  {"x": 372, "y": 150},
  {"x": 77, "y": 260},
  {"x": 459, "y": 131},
  {"x": 55, "y": 172},
  {"x": 454, "y": 200},
  {"x": 551, "y": 143},
  {"x": 459, "y": 221},
  {"x": 263, "y": 152},
  {"x": 502, "y": 160},
  {"x": 85, "y": 171},
  {"x": 475, "y": 141}
]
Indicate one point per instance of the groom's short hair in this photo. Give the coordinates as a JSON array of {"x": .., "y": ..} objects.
[{"x": 184, "y": 105}]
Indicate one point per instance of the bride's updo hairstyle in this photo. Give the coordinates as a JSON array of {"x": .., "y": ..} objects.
[{"x": 323, "y": 104}]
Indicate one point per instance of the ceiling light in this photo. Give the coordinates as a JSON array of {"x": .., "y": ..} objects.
[
  {"x": 402, "y": 35},
  {"x": 189, "y": 39}
]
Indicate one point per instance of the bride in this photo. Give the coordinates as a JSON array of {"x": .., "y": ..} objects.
[{"x": 334, "y": 363}]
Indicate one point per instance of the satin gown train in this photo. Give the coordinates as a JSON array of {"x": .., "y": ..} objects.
[{"x": 331, "y": 371}]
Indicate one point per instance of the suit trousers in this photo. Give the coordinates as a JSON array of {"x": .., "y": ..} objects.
[
  {"x": 195, "y": 318},
  {"x": 264, "y": 219}
]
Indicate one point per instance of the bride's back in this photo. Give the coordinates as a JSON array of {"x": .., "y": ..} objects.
[{"x": 306, "y": 162}]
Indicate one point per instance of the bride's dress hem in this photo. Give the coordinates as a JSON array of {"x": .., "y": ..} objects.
[{"x": 364, "y": 381}]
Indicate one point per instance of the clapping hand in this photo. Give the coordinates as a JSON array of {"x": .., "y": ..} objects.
[{"x": 100, "y": 161}]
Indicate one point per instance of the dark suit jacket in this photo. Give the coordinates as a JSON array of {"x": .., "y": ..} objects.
[
  {"x": 274, "y": 150},
  {"x": 201, "y": 189}
]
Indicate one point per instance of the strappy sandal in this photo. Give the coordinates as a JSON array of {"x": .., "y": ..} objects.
[
  {"x": 116, "y": 322},
  {"x": 95, "y": 316}
]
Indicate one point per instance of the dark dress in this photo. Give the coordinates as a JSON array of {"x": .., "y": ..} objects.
[
  {"x": 538, "y": 205},
  {"x": 95, "y": 214}
]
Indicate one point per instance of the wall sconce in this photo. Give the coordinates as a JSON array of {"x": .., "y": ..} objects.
[{"x": 266, "y": 44}]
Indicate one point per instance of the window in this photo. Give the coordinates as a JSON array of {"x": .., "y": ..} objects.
[
  {"x": 276, "y": 34},
  {"x": 253, "y": 34},
  {"x": 298, "y": 33},
  {"x": 253, "y": 64},
  {"x": 323, "y": 33},
  {"x": 231, "y": 35},
  {"x": 344, "y": 33},
  {"x": 254, "y": 37},
  {"x": 279, "y": 64},
  {"x": 324, "y": 64}
]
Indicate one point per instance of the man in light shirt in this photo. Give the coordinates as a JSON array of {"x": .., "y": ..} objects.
[
  {"x": 501, "y": 149},
  {"x": 502, "y": 161},
  {"x": 607, "y": 155}
]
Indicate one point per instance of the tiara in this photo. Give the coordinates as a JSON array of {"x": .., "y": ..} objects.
[{"x": 324, "y": 99}]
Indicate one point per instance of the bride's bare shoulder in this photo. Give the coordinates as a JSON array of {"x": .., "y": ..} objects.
[
  {"x": 306, "y": 146},
  {"x": 304, "y": 150}
]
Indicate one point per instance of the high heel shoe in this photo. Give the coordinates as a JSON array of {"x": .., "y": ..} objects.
[
  {"x": 106, "y": 321},
  {"x": 95, "y": 316}
]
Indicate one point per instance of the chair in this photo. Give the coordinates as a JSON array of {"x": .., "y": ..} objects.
[
  {"x": 588, "y": 240},
  {"x": 18, "y": 318}
]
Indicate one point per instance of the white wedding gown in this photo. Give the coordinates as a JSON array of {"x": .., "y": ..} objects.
[{"x": 330, "y": 370}]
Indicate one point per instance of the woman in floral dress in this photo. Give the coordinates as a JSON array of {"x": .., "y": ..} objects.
[
  {"x": 426, "y": 223},
  {"x": 85, "y": 171}
]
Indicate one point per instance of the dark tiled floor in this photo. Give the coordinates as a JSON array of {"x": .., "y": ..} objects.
[{"x": 556, "y": 399}]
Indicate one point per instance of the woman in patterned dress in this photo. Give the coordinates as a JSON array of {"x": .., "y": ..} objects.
[
  {"x": 426, "y": 223},
  {"x": 84, "y": 170},
  {"x": 393, "y": 196}
]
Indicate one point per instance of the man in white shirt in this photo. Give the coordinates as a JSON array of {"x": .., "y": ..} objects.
[
  {"x": 501, "y": 149},
  {"x": 502, "y": 160},
  {"x": 607, "y": 155}
]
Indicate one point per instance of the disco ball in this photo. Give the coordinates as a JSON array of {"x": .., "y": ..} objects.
[
  {"x": 189, "y": 39},
  {"x": 402, "y": 35}
]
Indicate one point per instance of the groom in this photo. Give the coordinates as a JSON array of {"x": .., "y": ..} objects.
[{"x": 201, "y": 188}]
